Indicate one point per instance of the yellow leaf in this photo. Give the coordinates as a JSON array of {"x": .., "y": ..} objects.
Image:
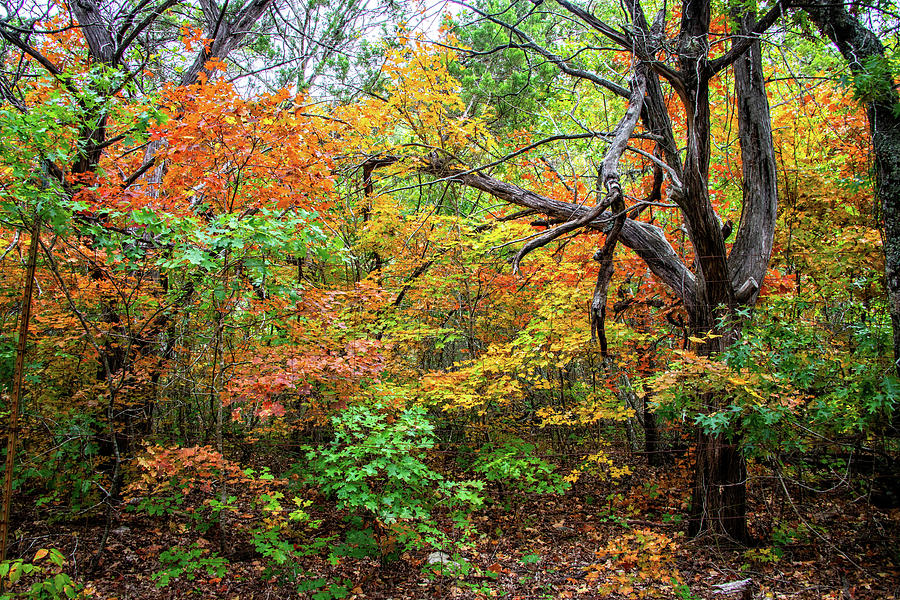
[{"x": 696, "y": 340}]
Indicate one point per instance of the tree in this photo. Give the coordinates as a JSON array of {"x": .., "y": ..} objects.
[
  {"x": 668, "y": 70},
  {"x": 78, "y": 106},
  {"x": 874, "y": 84},
  {"x": 100, "y": 56}
]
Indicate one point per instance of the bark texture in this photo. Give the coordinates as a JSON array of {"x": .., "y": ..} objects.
[{"x": 756, "y": 232}]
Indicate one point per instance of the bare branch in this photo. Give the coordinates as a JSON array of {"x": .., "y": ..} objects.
[
  {"x": 609, "y": 172},
  {"x": 612, "y": 33},
  {"x": 530, "y": 44}
]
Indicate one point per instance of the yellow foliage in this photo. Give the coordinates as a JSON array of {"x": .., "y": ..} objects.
[{"x": 637, "y": 564}]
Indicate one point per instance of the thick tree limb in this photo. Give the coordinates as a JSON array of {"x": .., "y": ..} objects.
[
  {"x": 655, "y": 115},
  {"x": 228, "y": 35},
  {"x": 748, "y": 37},
  {"x": 13, "y": 37},
  {"x": 97, "y": 32},
  {"x": 647, "y": 240},
  {"x": 750, "y": 253},
  {"x": 124, "y": 44},
  {"x": 611, "y": 32},
  {"x": 604, "y": 276}
]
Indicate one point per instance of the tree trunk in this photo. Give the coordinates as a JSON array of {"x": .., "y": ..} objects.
[
  {"x": 16, "y": 392},
  {"x": 865, "y": 55},
  {"x": 652, "y": 447},
  {"x": 759, "y": 186},
  {"x": 719, "y": 503}
]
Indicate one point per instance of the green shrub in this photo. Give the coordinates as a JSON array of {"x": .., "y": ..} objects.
[
  {"x": 513, "y": 464},
  {"x": 374, "y": 469},
  {"x": 40, "y": 579},
  {"x": 189, "y": 563}
]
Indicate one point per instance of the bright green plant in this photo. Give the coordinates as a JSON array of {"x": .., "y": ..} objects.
[
  {"x": 682, "y": 590},
  {"x": 188, "y": 562},
  {"x": 373, "y": 468},
  {"x": 513, "y": 464},
  {"x": 47, "y": 581},
  {"x": 327, "y": 590},
  {"x": 783, "y": 375},
  {"x": 162, "y": 504},
  {"x": 457, "y": 567},
  {"x": 273, "y": 537}
]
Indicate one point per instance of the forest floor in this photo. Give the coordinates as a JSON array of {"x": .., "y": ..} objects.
[{"x": 601, "y": 539}]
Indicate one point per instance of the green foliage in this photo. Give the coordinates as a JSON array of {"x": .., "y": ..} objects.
[
  {"x": 326, "y": 590},
  {"x": 841, "y": 373},
  {"x": 783, "y": 536},
  {"x": 46, "y": 132},
  {"x": 275, "y": 537},
  {"x": 189, "y": 563},
  {"x": 513, "y": 464},
  {"x": 873, "y": 81},
  {"x": 788, "y": 375},
  {"x": 47, "y": 582},
  {"x": 681, "y": 589},
  {"x": 359, "y": 542},
  {"x": 373, "y": 469},
  {"x": 505, "y": 80},
  {"x": 615, "y": 511},
  {"x": 158, "y": 505},
  {"x": 454, "y": 566},
  {"x": 67, "y": 475}
]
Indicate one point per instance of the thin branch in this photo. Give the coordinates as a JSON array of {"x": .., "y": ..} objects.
[
  {"x": 550, "y": 56},
  {"x": 609, "y": 176}
]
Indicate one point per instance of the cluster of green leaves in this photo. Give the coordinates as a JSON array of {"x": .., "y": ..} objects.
[
  {"x": 788, "y": 378},
  {"x": 514, "y": 464},
  {"x": 871, "y": 81},
  {"x": 275, "y": 538},
  {"x": 47, "y": 582},
  {"x": 840, "y": 367},
  {"x": 374, "y": 468},
  {"x": 188, "y": 563}
]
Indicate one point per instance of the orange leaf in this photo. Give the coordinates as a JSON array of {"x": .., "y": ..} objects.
[{"x": 40, "y": 554}]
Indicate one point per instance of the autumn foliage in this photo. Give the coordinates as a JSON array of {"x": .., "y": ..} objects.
[{"x": 278, "y": 328}]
